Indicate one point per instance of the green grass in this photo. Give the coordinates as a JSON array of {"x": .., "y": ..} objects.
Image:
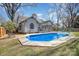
[
  {"x": 76, "y": 33},
  {"x": 11, "y": 47}
]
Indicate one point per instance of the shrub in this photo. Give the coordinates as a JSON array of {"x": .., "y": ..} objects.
[{"x": 10, "y": 27}]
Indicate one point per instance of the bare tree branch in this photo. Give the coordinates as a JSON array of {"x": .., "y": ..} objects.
[{"x": 11, "y": 8}]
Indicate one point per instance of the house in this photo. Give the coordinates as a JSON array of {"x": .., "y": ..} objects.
[
  {"x": 34, "y": 24},
  {"x": 47, "y": 26}
]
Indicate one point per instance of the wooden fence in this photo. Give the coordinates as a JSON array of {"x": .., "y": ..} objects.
[
  {"x": 2, "y": 31},
  {"x": 75, "y": 29}
]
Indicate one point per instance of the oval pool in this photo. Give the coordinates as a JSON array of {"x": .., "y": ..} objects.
[{"x": 46, "y": 36}]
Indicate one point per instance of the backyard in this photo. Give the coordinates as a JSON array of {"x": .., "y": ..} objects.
[
  {"x": 12, "y": 47},
  {"x": 20, "y": 20}
]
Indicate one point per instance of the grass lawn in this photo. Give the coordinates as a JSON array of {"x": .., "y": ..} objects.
[
  {"x": 76, "y": 33},
  {"x": 11, "y": 47}
]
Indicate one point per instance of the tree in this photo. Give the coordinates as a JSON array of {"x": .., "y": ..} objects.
[
  {"x": 68, "y": 14},
  {"x": 10, "y": 27},
  {"x": 12, "y": 8},
  {"x": 72, "y": 10},
  {"x": 76, "y": 23},
  {"x": 55, "y": 12},
  {"x": 58, "y": 11}
]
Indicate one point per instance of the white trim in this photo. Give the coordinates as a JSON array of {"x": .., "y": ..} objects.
[{"x": 49, "y": 43}]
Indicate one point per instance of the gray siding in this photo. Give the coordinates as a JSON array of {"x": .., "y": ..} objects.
[{"x": 25, "y": 26}]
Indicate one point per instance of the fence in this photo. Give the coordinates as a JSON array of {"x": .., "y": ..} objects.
[
  {"x": 74, "y": 29},
  {"x": 2, "y": 31}
]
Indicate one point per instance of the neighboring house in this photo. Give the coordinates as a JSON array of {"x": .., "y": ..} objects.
[
  {"x": 34, "y": 24},
  {"x": 47, "y": 26}
]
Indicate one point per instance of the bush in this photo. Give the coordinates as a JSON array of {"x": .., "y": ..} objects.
[{"x": 10, "y": 27}]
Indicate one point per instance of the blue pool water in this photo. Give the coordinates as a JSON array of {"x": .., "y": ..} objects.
[{"x": 46, "y": 36}]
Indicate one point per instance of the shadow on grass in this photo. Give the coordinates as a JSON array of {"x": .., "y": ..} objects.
[{"x": 63, "y": 49}]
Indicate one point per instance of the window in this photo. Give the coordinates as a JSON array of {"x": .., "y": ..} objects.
[
  {"x": 31, "y": 26},
  {"x": 39, "y": 29}
]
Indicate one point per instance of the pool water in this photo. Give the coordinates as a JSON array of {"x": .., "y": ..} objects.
[{"x": 46, "y": 36}]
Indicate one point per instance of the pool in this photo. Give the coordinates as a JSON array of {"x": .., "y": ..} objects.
[{"x": 45, "y": 37}]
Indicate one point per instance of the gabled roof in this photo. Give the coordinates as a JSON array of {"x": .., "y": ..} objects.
[
  {"x": 48, "y": 21},
  {"x": 28, "y": 19},
  {"x": 38, "y": 20},
  {"x": 22, "y": 18}
]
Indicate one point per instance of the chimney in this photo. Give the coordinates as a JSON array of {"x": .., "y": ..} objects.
[{"x": 34, "y": 15}]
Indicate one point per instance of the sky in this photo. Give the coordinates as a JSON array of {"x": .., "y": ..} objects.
[{"x": 41, "y": 9}]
